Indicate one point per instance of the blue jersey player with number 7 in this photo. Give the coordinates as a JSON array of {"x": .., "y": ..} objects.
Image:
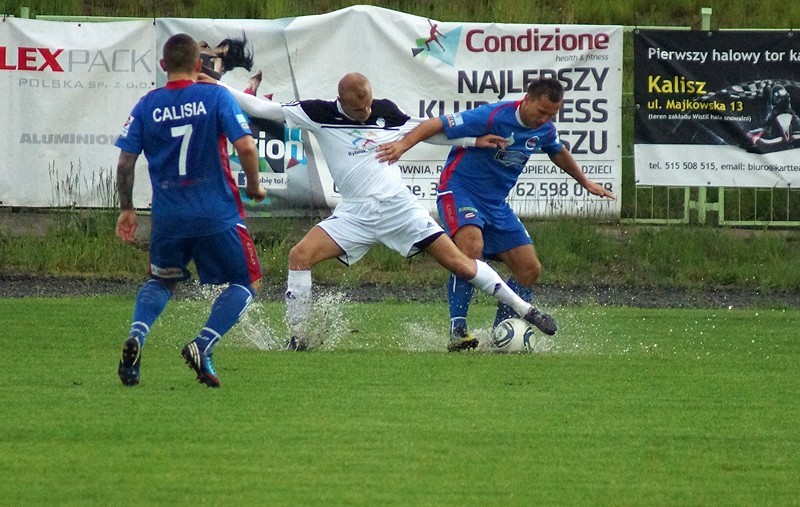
[
  {"x": 475, "y": 183},
  {"x": 197, "y": 214}
]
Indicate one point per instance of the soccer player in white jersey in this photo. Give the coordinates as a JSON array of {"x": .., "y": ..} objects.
[{"x": 376, "y": 205}]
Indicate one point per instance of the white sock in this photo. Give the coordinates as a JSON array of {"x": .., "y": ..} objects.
[
  {"x": 490, "y": 282},
  {"x": 298, "y": 297}
]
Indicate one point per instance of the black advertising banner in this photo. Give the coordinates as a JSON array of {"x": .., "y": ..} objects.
[{"x": 717, "y": 108}]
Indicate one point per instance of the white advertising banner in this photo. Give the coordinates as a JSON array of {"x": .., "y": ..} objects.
[
  {"x": 67, "y": 89},
  {"x": 431, "y": 68},
  {"x": 64, "y": 130}
]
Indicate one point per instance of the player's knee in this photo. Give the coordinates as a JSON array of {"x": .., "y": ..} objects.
[
  {"x": 299, "y": 255},
  {"x": 530, "y": 275}
]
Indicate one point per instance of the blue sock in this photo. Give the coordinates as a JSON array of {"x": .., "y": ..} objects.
[
  {"x": 506, "y": 312},
  {"x": 150, "y": 302},
  {"x": 225, "y": 313},
  {"x": 459, "y": 296}
]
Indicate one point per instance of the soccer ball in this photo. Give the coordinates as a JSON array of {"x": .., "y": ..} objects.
[{"x": 513, "y": 335}]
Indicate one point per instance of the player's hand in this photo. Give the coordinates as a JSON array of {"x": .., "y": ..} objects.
[
  {"x": 491, "y": 141},
  {"x": 205, "y": 78},
  {"x": 258, "y": 194},
  {"x": 390, "y": 152},
  {"x": 599, "y": 190},
  {"x": 126, "y": 225}
]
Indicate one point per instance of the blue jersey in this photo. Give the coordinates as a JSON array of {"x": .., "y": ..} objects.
[
  {"x": 491, "y": 173},
  {"x": 183, "y": 129}
]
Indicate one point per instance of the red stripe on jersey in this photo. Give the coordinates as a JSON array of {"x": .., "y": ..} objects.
[
  {"x": 450, "y": 212},
  {"x": 450, "y": 168},
  {"x": 250, "y": 254},
  {"x": 226, "y": 168},
  {"x": 515, "y": 105}
]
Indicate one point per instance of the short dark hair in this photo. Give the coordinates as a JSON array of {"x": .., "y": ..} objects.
[
  {"x": 548, "y": 87},
  {"x": 180, "y": 53}
]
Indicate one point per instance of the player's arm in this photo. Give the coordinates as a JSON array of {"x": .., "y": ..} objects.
[
  {"x": 442, "y": 140},
  {"x": 432, "y": 131},
  {"x": 248, "y": 157},
  {"x": 484, "y": 141},
  {"x": 391, "y": 152},
  {"x": 126, "y": 222},
  {"x": 564, "y": 160},
  {"x": 250, "y": 104}
]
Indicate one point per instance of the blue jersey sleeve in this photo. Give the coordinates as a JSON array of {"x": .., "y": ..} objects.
[
  {"x": 130, "y": 137},
  {"x": 470, "y": 123}
]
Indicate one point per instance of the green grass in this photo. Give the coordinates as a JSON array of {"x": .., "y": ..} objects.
[
  {"x": 572, "y": 251},
  {"x": 627, "y": 407},
  {"x": 726, "y": 14}
]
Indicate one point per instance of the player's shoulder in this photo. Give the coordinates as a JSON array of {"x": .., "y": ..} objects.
[
  {"x": 389, "y": 111},
  {"x": 318, "y": 110},
  {"x": 504, "y": 106},
  {"x": 205, "y": 88},
  {"x": 386, "y": 106},
  {"x": 503, "y": 112}
]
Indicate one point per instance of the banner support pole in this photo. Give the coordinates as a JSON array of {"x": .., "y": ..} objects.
[{"x": 705, "y": 18}]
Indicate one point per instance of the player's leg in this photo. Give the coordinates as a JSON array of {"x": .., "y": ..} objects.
[
  {"x": 151, "y": 300},
  {"x": 525, "y": 270},
  {"x": 316, "y": 246},
  {"x": 224, "y": 258},
  {"x": 487, "y": 280},
  {"x": 463, "y": 222},
  {"x": 469, "y": 240},
  {"x": 477, "y": 273},
  {"x": 168, "y": 260},
  {"x": 505, "y": 238}
]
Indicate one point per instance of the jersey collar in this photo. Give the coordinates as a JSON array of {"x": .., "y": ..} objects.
[
  {"x": 339, "y": 108},
  {"x": 516, "y": 114},
  {"x": 180, "y": 83}
]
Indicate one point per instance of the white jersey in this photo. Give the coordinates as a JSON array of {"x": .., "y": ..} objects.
[
  {"x": 376, "y": 206},
  {"x": 349, "y": 146}
]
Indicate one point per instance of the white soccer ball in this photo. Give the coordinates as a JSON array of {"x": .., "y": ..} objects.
[{"x": 513, "y": 335}]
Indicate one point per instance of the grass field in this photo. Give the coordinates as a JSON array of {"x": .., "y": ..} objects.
[{"x": 625, "y": 407}]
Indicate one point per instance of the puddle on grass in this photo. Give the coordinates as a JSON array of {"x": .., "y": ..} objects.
[{"x": 582, "y": 332}]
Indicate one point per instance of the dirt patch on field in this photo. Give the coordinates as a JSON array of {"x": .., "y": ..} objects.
[{"x": 16, "y": 286}]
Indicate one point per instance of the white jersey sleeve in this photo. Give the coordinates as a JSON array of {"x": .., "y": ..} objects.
[{"x": 256, "y": 107}]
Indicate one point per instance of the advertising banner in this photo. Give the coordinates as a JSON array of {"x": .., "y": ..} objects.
[
  {"x": 251, "y": 56},
  {"x": 67, "y": 89},
  {"x": 428, "y": 68},
  {"x": 431, "y": 68},
  {"x": 717, "y": 108}
]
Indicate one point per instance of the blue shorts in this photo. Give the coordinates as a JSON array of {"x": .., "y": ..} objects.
[
  {"x": 501, "y": 228},
  {"x": 225, "y": 257}
]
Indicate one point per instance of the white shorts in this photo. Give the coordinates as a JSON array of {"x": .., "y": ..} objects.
[{"x": 399, "y": 223}]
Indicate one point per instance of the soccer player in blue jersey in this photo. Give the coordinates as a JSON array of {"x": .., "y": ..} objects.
[
  {"x": 197, "y": 214},
  {"x": 475, "y": 183}
]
